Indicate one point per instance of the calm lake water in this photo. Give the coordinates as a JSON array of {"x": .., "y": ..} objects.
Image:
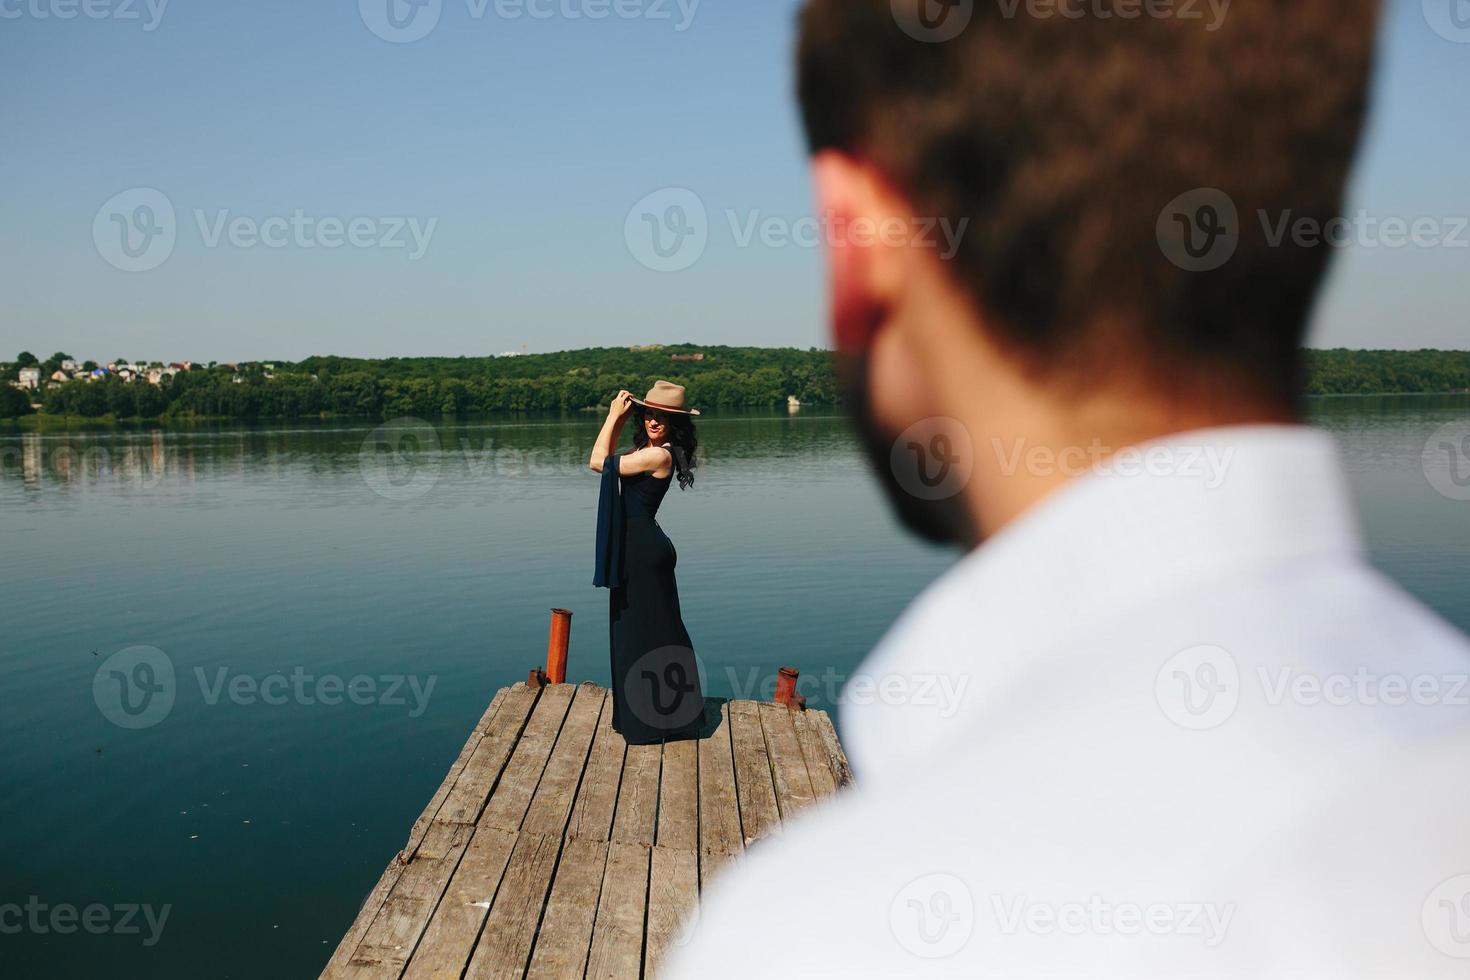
[{"x": 335, "y": 618}]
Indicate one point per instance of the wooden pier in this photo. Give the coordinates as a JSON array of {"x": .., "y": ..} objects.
[{"x": 554, "y": 849}]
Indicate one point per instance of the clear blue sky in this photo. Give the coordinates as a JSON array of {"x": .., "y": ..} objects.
[{"x": 529, "y": 140}]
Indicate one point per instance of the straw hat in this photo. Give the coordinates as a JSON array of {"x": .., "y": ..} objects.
[{"x": 666, "y": 397}]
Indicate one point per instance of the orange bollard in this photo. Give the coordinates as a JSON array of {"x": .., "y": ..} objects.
[
  {"x": 556, "y": 646},
  {"x": 786, "y": 685}
]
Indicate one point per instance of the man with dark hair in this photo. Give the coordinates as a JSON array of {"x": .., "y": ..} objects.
[{"x": 1163, "y": 720}]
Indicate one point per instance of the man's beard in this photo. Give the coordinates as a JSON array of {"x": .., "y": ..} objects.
[{"x": 944, "y": 521}]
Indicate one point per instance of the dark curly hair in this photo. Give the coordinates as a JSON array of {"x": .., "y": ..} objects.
[{"x": 681, "y": 436}]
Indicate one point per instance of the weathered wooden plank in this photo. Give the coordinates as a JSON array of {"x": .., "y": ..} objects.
[
  {"x": 562, "y": 876},
  {"x": 371, "y": 906},
  {"x": 505, "y": 943},
  {"x": 719, "y": 810},
  {"x": 788, "y": 767},
  {"x": 840, "y": 767},
  {"x": 597, "y": 797},
  {"x": 638, "y": 796},
  {"x": 467, "y": 799},
  {"x": 814, "y": 751},
  {"x": 557, "y": 791},
  {"x": 753, "y": 784},
  {"x": 395, "y": 931},
  {"x": 391, "y": 873},
  {"x": 673, "y": 897},
  {"x": 617, "y": 934},
  {"x": 512, "y": 796},
  {"x": 448, "y": 941},
  {"x": 566, "y": 927},
  {"x": 678, "y": 796},
  {"x": 421, "y": 825}
]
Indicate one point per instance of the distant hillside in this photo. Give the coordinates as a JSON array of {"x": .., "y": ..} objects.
[{"x": 717, "y": 377}]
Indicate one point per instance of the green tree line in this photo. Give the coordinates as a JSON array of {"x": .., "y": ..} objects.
[{"x": 566, "y": 381}]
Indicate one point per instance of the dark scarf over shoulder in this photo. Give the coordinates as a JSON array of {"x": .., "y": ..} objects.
[{"x": 609, "y": 571}]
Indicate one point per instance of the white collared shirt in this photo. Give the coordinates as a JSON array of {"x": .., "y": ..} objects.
[{"x": 1168, "y": 723}]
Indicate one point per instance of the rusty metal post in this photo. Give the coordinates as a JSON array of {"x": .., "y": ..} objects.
[
  {"x": 556, "y": 646},
  {"x": 786, "y": 685}
]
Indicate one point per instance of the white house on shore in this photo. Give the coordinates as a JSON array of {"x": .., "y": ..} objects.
[{"x": 30, "y": 377}]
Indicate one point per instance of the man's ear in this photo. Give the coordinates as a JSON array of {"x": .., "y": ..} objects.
[{"x": 853, "y": 202}]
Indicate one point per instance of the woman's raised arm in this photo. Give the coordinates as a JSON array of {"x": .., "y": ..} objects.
[{"x": 607, "y": 439}]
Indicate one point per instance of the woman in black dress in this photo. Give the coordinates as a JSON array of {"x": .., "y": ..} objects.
[{"x": 655, "y": 680}]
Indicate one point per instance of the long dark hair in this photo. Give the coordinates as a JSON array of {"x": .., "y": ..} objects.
[{"x": 683, "y": 443}]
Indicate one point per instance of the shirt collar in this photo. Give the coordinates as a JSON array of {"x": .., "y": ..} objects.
[{"x": 1160, "y": 518}]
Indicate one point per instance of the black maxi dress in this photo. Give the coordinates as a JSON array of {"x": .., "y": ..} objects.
[{"x": 656, "y": 688}]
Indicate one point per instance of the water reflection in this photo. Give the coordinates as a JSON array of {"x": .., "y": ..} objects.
[{"x": 180, "y": 458}]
